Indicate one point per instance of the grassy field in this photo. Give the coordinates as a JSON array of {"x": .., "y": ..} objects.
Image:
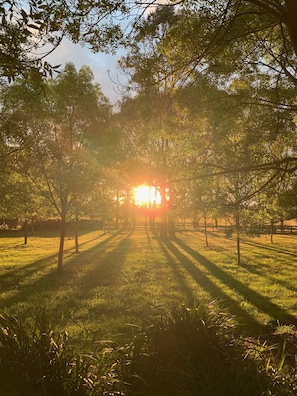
[{"x": 123, "y": 278}]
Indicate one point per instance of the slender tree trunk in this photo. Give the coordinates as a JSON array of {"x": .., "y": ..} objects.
[
  {"x": 163, "y": 227},
  {"x": 205, "y": 232},
  {"x": 238, "y": 250},
  {"x": 271, "y": 231},
  {"x": 238, "y": 238},
  {"x": 32, "y": 227},
  {"x": 117, "y": 212},
  {"x": 62, "y": 240},
  {"x": 152, "y": 222},
  {"x": 126, "y": 213},
  {"x": 171, "y": 228},
  {"x": 76, "y": 233},
  {"x": 164, "y": 220},
  {"x": 291, "y": 8},
  {"x": 26, "y": 232}
]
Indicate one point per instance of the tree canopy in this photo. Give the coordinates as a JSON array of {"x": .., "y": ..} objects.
[
  {"x": 206, "y": 34},
  {"x": 211, "y": 93}
]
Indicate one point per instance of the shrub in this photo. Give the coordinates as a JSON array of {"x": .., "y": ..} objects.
[
  {"x": 188, "y": 351},
  {"x": 36, "y": 361},
  {"x": 191, "y": 351}
]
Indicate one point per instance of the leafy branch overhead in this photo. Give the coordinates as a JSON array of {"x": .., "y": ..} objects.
[{"x": 221, "y": 35}]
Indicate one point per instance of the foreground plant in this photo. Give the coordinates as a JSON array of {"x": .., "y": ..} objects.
[
  {"x": 36, "y": 361},
  {"x": 193, "y": 351},
  {"x": 188, "y": 351}
]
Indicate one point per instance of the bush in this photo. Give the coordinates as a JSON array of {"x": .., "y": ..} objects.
[
  {"x": 35, "y": 361},
  {"x": 189, "y": 351}
]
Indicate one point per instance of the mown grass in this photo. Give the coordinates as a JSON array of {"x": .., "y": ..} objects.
[
  {"x": 125, "y": 276},
  {"x": 126, "y": 280}
]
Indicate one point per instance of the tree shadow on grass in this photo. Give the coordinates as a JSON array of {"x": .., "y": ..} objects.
[
  {"x": 269, "y": 248},
  {"x": 259, "y": 301},
  {"x": 216, "y": 293},
  {"x": 90, "y": 277},
  {"x": 188, "y": 291},
  {"x": 256, "y": 270},
  {"x": 25, "y": 282},
  {"x": 17, "y": 274}
]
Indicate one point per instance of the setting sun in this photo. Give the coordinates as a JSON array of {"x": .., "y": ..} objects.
[{"x": 145, "y": 195}]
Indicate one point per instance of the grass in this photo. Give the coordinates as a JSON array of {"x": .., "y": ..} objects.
[
  {"x": 123, "y": 277},
  {"x": 123, "y": 281}
]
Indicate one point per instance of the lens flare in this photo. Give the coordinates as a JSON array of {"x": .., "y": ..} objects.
[{"x": 146, "y": 196}]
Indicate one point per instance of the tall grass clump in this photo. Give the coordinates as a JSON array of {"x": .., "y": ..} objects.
[
  {"x": 192, "y": 351},
  {"x": 34, "y": 361}
]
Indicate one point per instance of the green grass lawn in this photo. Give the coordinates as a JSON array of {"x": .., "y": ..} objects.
[{"x": 125, "y": 278}]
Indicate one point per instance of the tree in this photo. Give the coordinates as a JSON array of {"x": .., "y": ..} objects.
[
  {"x": 60, "y": 154},
  {"x": 32, "y": 29},
  {"x": 248, "y": 44},
  {"x": 222, "y": 36},
  {"x": 228, "y": 37},
  {"x": 151, "y": 75}
]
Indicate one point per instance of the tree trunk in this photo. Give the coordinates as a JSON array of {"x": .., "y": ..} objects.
[
  {"x": 61, "y": 247},
  {"x": 238, "y": 250},
  {"x": 163, "y": 227},
  {"x": 171, "y": 229},
  {"x": 164, "y": 220},
  {"x": 238, "y": 238},
  {"x": 116, "y": 226},
  {"x": 271, "y": 232},
  {"x": 26, "y": 232},
  {"x": 205, "y": 232},
  {"x": 76, "y": 233},
  {"x": 152, "y": 222},
  {"x": 290, "y": 21}
]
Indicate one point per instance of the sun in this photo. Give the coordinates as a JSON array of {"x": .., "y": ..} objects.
[{"x": 145, "y": 195}]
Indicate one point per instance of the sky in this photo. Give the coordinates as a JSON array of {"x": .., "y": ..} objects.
[{"x": 103, "y": 66}]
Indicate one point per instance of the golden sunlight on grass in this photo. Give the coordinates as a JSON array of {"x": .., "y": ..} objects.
[{"x": 124, "y": 276}]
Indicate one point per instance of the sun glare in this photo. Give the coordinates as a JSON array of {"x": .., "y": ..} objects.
[{"x": 145, "y": 195}]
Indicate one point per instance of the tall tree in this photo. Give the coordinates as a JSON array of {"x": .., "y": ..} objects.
[{"x": 61, "y": 150}]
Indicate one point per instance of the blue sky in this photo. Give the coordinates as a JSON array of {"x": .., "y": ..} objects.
[
  {"x": 103, "y": 66},
  {"x": 100, "y": 64}
]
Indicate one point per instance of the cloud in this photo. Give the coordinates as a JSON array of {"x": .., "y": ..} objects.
[{"x": 103, "y": 66}]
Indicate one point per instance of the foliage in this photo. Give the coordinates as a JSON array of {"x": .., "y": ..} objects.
[
  {"x": 32, "y": 29},
  {"x": 206, "y": 107},
  {"x": 35, "y": 360},
  {"x": 226, "y": 38},
  {"x": 57, "y": 130},
  {"x": 189, "y": 351}
]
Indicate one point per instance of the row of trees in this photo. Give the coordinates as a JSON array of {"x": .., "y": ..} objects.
[
  {"x": 53, "y": 148},
  {"x": 209, "y": 111},
  {"x": 216, "y": 99}
]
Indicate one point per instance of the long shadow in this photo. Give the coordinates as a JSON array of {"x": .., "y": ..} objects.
[
  {"x": 255, "y": 271},
  {"x": 264, "y": 304},
  {"x": 242, "y": 317},
  {"x": 23, "y": 271},
  {"x": 93, "y": 239},
  {"x": 252, "y": 269},
  {"x": 211, "y": 236},
  {"x": 17, "y": 277},
  {"x": 190, "y": 297},
  {"x": 98, "y": 271},
  {"x": 266, "y": 247}
]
